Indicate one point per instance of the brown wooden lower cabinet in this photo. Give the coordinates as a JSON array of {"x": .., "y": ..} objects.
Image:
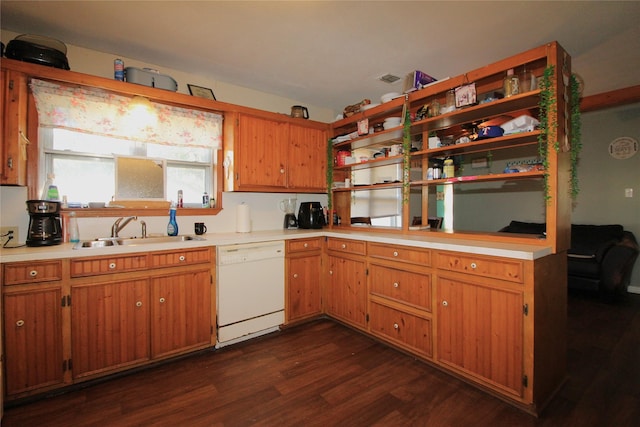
[
  {"x": 480, "y": 332},
  {"x": 109, "y": 325},
  {"x": 33, "y": 354},
  {"x": 347, "y": 289},
  {"x": 410, "y": 331},
  {"x": 180, "y": 312},
  {"x": 70, "y": 320},
  {"x": 303, "y": 264}
]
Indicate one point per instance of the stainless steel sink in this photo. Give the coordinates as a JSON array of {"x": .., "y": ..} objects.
[
  {"x": 95, "y": 244},
  {"x": 117, "y": 241},
  {"x": 161, "y": 239}
]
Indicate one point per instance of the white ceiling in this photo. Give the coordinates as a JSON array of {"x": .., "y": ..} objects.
[{"x": 331, "y": 53}]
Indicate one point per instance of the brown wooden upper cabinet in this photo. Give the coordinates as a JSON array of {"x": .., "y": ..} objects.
[
  {"x": 275, "y": 155},
  {"x": 13, "y": 149}
]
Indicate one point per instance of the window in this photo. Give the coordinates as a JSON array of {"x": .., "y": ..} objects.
[
  {"x": 84, "y": 166},
  {"x": 83, "y": 131}
]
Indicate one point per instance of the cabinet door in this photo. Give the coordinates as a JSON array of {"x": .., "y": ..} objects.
[
  {"x": 13, "y": 153},
  {"x": 33, "y": 340},
  {"x": 180, "y": 312},
  {"x": 303, "y": 279},
  {"x": 347, "y": 291},
  {"x": 307, "y": 165},
  {"x": 109, "y": 326},
  {"x": 480, "y": 332},
  {"x": 261, "y": 153}
]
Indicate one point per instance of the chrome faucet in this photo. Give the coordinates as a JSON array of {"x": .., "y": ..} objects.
[
  {"x": 144, "y": 229},
  {"x": 116, "y": 227}
]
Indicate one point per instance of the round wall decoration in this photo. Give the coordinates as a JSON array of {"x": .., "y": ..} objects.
[{"x": 623, "y": 147}]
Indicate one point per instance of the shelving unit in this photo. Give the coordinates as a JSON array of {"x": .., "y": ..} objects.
[{"x": 522, "y": 146}]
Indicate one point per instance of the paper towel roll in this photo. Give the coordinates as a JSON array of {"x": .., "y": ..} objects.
[{"x": 243, "y": 219}]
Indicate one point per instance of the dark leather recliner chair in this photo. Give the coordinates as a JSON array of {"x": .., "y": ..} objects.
[{"x": 601, "y": 257}]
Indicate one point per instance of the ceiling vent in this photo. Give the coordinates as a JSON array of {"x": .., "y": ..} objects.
[{"x": 389, "y": 78}]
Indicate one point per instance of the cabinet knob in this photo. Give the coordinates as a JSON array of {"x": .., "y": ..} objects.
[
  {"x": 162, "y": 300},
  {"x": 20, "y": 323},
  {"x": 395, "y": 253},
  {"x": 344, "y": 246},
  {"x": 306, "y": 245},
  {"x": 139, "y": 304},
  {"x": 330, "y": 272},
  {"x": 474, "y": 265},
  {"x": 182, "y": 258},
  {"x": 112, "y": 265},
  {"x": 396, "y": 284},
  {"x": 33, "y": 273},
  {"x": 295, "y": 275},
  {"x": 445, "y": 303},
  {"x": 396, "y": 326},
  {"x": 281, "y": 170}
]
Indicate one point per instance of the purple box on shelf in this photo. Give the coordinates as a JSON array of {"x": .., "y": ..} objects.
[{"x": 416, "y": 80}]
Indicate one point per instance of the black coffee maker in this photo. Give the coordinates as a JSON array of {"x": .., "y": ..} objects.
[
  {"x": 310, "y": 215},
  {"x": 45, "y": 228}
]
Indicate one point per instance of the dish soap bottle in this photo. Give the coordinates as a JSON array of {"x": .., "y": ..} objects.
[
  {"x": 50, "y": 190},
  {"x": 74, "y": 232},
  {"x": 172, "y": 227}
]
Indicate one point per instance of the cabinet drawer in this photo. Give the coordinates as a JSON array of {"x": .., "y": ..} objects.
[
  {"x": 350, "y": 246},
  {"x": 82, "y": 267},
  {"x": 403, "y": 286},
  {"x": 184, "y": 257},
  {"x": 400, "y": 253},
  {"x": 302, "y": 245},
  {"x": 32, "y": 272},
  {"x": 405, "y": 329},
  {"x": 497, "y": 268}
]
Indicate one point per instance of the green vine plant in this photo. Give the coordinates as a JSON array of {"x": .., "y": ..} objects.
[
  {"x": 406, "y": 153},
  {"x": 329, "y": 174},
  {"x": 576, "y": 136},
  {"x": 548, "y": 107}
]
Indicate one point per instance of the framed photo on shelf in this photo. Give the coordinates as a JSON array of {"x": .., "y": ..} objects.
[
  {"x": 201, "y": 92},
  {"x": 465, "y": 95}
]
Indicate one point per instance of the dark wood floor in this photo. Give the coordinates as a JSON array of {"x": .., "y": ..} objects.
[{"x": 324, "y": 374}]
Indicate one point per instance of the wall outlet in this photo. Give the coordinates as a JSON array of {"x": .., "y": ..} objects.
[{"x": 4, "y": 239}]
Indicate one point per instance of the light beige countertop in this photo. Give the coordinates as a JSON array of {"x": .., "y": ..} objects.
[{"x": 430, "y": 241}]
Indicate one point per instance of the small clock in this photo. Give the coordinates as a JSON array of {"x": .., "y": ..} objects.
[{"x": 623, "y": 147}]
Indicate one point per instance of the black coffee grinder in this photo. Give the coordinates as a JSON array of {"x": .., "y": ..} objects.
[{"x": 45, "y": 228}]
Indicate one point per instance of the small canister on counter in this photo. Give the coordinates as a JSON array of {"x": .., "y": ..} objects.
[
  {"x": 118, "y": 69},
  {"x": 205, "y": 200}
]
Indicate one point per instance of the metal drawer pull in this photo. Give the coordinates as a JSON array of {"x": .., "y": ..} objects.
[
  {"x": 182, "y": 258},
  {"x": 396, "y": 284},
  {"x": 330, "y": 272},
  {"x": 162, "y": 300},
  {"x": 474, "y": 265},
  {"x": 139, "y": 304},
  {"x": 306, "y": 245},
  {"x": 33, "y": 273},
  {"x": 344, "y": 246},
  {"x": 20, "y": 323},
  {"x": 112, "y": 265},
  {"x": 445, "y": 303},
  {"x": 395, "y": 253},
  {"x": 295, "y": 275},
  {"x": 396, "y": 326}
]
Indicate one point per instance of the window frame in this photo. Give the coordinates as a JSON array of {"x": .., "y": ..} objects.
[{"x": 34, "y": 177}]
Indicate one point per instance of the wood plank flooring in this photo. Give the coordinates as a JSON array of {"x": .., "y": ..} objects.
[{"x": 324, "y": 374}]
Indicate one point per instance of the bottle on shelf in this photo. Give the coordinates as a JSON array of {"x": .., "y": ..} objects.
[
  {"x": 74, "y": 231},
  {"x": 449, "y": 169},
  {"x": 526, "y": 81},
  {"x": 172, "y": 227},
  {"x": 511, "y": 84}
]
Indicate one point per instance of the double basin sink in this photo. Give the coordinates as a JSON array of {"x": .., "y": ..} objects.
[{"x": 119, "y": 241}]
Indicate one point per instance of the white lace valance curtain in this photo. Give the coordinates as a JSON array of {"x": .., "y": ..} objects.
[{"x": 96, "y": 111}]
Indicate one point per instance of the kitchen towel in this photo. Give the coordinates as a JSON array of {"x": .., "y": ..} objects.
[{"x": 243, "y": 219}]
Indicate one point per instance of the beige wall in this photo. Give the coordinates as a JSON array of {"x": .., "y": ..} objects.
[{"x": 101, "y": 64}]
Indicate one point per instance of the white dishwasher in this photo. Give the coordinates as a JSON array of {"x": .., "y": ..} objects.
[{"x": 250, "y": 291}]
